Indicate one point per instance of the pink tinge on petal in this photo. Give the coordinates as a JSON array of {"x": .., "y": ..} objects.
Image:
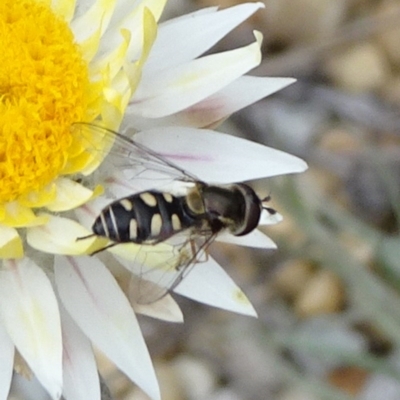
[
  {"x": 241, "y": 93},
  {"x": 244, "y": 91},
  {"x": 218, "y": 157}
]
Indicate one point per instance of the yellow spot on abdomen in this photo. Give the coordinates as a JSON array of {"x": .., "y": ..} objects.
[
  {"x": 168, "y": 197},
  {"x": 133, "y": 229},
  {"x": 149, "y": 199},
  {"x": 156, "y": 225},
  {"x": 126, "y": 204},
  {"x": 176, "y": 222},
  {"x": 44, "y": 88}
]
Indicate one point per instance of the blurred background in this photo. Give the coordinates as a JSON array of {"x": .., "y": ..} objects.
[{"x": 328, "y": 298}]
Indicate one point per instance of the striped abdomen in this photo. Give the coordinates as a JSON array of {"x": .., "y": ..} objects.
[{"x": 146, "y": 217}]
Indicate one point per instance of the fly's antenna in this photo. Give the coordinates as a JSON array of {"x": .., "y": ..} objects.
[
  {"x": 266, "y": 199},
  {"x": 85, "y": 237},
  {"x": 265, "y": 206}
]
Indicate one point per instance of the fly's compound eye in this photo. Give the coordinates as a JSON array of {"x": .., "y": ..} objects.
[{"x": 252, "y": 209}]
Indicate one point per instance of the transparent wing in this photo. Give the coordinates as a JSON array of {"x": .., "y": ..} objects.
[
  {"x": 159, "y": 269},
  {"x": 129, "y": 158}
]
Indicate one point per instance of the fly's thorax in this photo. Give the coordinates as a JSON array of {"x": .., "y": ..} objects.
[
  {"x": 235, "y": 207},
  {"x": 194, "y": 200}
]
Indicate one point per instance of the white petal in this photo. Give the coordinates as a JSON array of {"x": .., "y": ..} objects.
[
  {"x": 59, "y": 236},
  {"x": 190, "y": 15},
  {"x": 208, "y": 283},
  {"x": 93, "y": 298},
  {"x": 165, "y": 309},
  {"x": 269, "y": 219},
  {"x": 184, "y": 39},
  {"x": 70, "y": 194},
  {"x": 93, "y": 22},
  {"x": 175, "y": 89},
  {"x": 234, "y": 97},
  {"x": 245, "y": 91},
  {"x": 239, "y": 94},
  {"x": 121, "y": 18},
  {"x": 80, "y": 376},
  {"x": 81, "y": 7},
  {"x": 130, "y": 17},
  {"x": 7, "y": 361},
  {"x": 255, "y": 239},
  {"x": 218, "y": 157},
  {"x": 29, "y": 311}
]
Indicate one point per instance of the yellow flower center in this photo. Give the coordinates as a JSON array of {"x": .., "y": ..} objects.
[{"x": 43, "y": 90}]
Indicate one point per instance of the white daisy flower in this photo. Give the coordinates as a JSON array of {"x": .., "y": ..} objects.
[{"x": 106, "y": 62}]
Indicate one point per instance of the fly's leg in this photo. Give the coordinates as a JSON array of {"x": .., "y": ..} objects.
[
  {"x": 103, "y": 248},
  {"x": 191, "y": 255},
  {"x": 198, "y": 252},
  {"x": 99, "y": 250}
]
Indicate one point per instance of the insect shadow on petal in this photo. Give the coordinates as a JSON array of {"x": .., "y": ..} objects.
[{"x": 174, "y": 224}]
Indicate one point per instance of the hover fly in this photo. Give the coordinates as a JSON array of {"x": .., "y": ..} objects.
[{"x": 179, "y": 222}]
